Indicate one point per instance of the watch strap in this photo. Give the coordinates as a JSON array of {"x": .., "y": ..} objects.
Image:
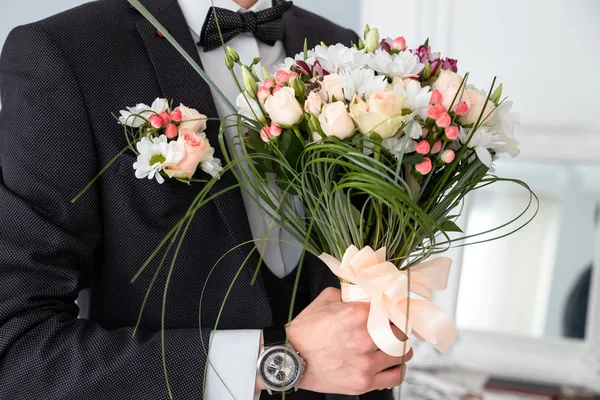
[{"x": 274, "y": 336}]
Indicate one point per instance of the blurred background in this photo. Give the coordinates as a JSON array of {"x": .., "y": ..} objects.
[{"x": 531, "y": 298}]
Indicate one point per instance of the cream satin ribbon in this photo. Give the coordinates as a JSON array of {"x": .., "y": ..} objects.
[{"x": 375, "y": 280}]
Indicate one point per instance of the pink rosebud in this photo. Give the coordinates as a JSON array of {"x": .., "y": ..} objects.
[
  {"x": 436, "y": 111},
  {"x": 436, "y": 97},
  {"x": 443, "y": 121},
  {"x": 447, "y": 156},
  {"x": 282, "y": 77},
  {"x": 269, "y": 83},
  {"x": 451, "y": 132},
  {"x": 275, "y": 129},
  {"x": 265, "y": 134},
  {"x": 425, "y": 167},
  {"x": 277, "y": 88},
  {"x": 263, "y": 93},
  {"x": 462, "y": 108},
  {"x": 171, "y": 131},
  {"x": 423, "y": 147},
  {"x": 437, "y": 146},
  {"x": 165, "y": 118},
  {"x": 399, "y": 43},
  {"x": 176, "y": 115},
  {"x": 155, "y": 121}
]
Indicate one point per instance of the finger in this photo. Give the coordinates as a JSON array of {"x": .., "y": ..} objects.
[
  {"x": 384, "y": 361},
  {"x": 399, "y": 333},
  {"x": 331, "y": 295},
  {"x": 390, "y": 377}
]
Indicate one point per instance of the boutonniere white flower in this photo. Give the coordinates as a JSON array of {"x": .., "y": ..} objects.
[{"x": 170, "y": 143}]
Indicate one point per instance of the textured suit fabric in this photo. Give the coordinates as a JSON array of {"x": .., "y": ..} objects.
[{"x": 60, "y": 80}]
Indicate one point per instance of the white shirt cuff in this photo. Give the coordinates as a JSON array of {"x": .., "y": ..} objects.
[{"x": 232, "y": 365}]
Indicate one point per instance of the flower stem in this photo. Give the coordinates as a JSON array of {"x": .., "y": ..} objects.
[{"x": 298, "y": 134}]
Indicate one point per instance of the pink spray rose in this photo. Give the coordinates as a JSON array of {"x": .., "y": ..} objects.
[{"x": 195, "y": 148}]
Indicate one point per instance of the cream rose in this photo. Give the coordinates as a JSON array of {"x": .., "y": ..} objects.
[
  {"x": 332, "y": 87},
  {"x": 191, "y": 120},
  {"x": 335, "y": 120},
  {"x": 448, "y": 84},
  {"x": 381, "y": 113},
  {"x": 283, "y": 108},
  {"x": 477, "y": 102},
  {"x": 313, "y": 104},
  {"x": 195, "y": 149}
]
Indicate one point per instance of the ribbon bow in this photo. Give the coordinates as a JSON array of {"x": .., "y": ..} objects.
[
  {"x": 375, "y": 280},
  {"x": 265, "y": 25}
]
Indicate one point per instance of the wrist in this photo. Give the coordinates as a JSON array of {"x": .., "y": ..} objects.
[{"x": 259, "y": 386}]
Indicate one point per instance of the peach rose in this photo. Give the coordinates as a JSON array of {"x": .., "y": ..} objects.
[
  {"x": 381, "y": 113},
  {"x": 335, "y": 120},
  {"x": 448, "y": 84},
  {"x": 313, "y": 104},
  {"x": 332, "y": 87},
  {"x": 477, "y": 102},
  {"x": 283, "y": 107},
  {"x": 195, "y": 148},
  {"x": 191, "y": 120}
]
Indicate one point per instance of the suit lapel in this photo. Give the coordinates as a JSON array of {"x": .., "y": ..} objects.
[
  {"x": 179, "y": 82},
  {"x": 298, "y": 29}
]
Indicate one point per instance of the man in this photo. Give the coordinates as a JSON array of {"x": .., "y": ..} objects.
[{"x": 60, "y": 80}]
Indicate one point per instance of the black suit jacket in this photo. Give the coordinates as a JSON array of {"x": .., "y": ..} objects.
[{"x": 60, "y": 80}]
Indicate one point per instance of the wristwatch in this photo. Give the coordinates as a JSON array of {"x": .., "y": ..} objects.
[{"x": 279, "y": 366}]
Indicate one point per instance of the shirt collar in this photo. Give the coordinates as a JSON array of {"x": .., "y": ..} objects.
[{"x": 195, "y": 11}]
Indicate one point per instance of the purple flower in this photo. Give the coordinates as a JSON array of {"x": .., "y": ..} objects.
[
  {"x": 450, "y": 64},
  {"x": 425, "y": 55},
  {"x": 318, "y": 71},
  {"x": 301, "y": 68},
  {"x": 386, "y": 44}
]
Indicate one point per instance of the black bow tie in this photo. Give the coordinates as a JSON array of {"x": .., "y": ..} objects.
[{"x": 265, "y": 25}]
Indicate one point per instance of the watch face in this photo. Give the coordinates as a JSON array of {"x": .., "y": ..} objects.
[{"x": 279, "y": 368}]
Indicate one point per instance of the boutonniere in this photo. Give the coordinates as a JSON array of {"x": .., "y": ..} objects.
[{"x": 169, "y": 142}]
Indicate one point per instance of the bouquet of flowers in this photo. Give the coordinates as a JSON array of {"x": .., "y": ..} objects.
[{"x": 380, "y": 142}]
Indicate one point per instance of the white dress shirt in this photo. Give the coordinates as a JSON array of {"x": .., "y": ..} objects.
[{"x": 233, "y": 354}]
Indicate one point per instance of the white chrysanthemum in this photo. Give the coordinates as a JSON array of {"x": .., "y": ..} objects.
[
  {"x": 402, "y": 65},
  {"x": 413, "y": 129},
  {"x": 212, "y": 165},
  {"x": 338, "y": 58},
  {"x": 289, "y": 61},
  {"x": 504, "y": 121},
  {"x": 136, "y": 116},
  {"x": 417, "y": 98},
  {"x": 362, "y": 82},
  {"x": 399, "y": 145},
  {"x": 485, "y": 139},
  {"x": 154, "y": 154},
  {"x": 249, "y": 107}
]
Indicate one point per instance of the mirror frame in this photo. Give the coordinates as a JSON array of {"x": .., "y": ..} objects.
[{"x": 564, "y": 361}]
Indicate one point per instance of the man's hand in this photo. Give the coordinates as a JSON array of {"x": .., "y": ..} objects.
[{"x": 340, "y": 355}]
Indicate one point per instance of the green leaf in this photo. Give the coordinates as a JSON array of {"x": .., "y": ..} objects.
[
  {"x": 449, "y": 226},
  {"x": 255, "y": 61},
  {"x": 356, "y": 215},
  {"x": 496, "y": 95},
  {"x": 291, "y": 147},
  {"x": 305, "y": 49},
  {"x": 413, "y": 159},
  {"x": 260, "y": 147},
  {"x": 426, "y": 42}
]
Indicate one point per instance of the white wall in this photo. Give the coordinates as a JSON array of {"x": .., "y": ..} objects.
[{"x": 14, "y": 13}]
